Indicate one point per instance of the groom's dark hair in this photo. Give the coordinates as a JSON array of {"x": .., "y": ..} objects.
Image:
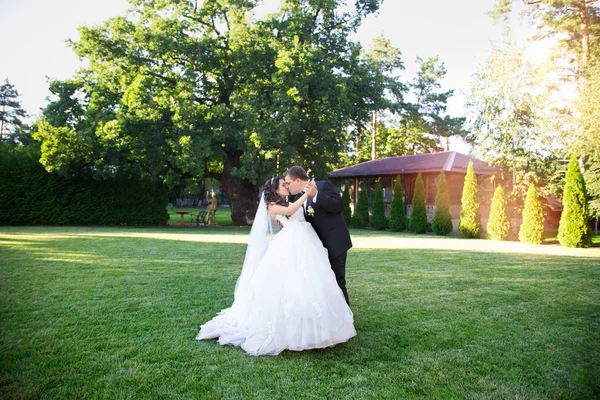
[{"x": 296, "y": 172}]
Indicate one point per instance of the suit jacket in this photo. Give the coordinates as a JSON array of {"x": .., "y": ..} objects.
[{"x": 328, "y": 220}]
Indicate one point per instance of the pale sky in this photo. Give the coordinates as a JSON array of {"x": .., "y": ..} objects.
[{"x": 33, "y": 36}]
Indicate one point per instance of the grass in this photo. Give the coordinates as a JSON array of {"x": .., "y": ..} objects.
[{"x": 113, "y": 312}]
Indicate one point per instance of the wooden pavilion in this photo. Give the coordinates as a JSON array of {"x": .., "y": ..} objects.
[{"x": 367, "y": 175}]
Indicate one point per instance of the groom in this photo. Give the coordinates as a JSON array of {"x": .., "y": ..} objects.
[{"x": 323, "y": 210}]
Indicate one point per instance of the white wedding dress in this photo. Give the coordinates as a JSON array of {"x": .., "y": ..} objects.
[{"x": 291, "y": 301}]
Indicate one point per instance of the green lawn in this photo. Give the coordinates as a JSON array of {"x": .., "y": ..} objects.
[{"x": 113, "y": 312}]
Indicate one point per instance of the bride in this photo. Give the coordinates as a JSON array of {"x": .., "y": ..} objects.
[{"x": 286, "y": 297}]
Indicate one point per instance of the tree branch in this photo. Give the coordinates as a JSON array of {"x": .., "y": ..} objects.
[
  {"x": 212, "y": 26},
  {"x": 203, "y": 100},
  {"x": 165, "y": 78}
]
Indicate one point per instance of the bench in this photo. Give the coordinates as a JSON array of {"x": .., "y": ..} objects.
[{"x": 198, "y": 218}]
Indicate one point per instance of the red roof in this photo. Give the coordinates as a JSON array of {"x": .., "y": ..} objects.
[{"x": 449, "y": 161}]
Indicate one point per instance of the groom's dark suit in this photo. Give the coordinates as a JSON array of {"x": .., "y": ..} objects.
[{"x": 331, "y": 229}]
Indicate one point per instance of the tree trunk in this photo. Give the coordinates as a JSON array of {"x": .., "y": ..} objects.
[
  {"x": 242, "y": 195},
  {"x": 357, "y": 142},
  {"x": 374, "y": 134},
  {"x": 585, "y": 42},
  {"x": 2, "y": 122}
]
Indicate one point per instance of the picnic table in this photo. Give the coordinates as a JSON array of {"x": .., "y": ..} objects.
[{"x": 182, "y": 213}]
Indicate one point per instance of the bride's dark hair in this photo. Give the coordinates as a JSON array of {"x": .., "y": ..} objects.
[{"x": 269, "y": 190}]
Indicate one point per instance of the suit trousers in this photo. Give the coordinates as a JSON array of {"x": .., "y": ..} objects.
[{"x": 338, "y": 265}]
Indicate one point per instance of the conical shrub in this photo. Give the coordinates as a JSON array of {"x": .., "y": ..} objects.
[
  {"x": 573, "y": 229},
  {"x": 442, "y": 220},
  {"x": 470, "y": 219},
  {"x": 398, "y": 220},
  {"x": 498, "y": 226},
  {"x": 418, "y": 215},
  {"x": 360, "y": 218},
  {"x": 378, "y": 219},
  {"x": 532, "y": 228},
  {"x": 346, "y": 210}
]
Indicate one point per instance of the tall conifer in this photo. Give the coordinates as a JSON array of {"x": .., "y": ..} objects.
[
  {"x": 360, "y": 218},
  {"x": 442, "y": 220},
  {"x": 498, "y": 226},
  {"x": 378, "y": 220},
  {"x": 573, "y": 230},
  {"x": 470, "y": 218},
  {"x": 418, "y": 215},
  {"x": 532, "y": 228},
  {"x": 398, "y": 220}
]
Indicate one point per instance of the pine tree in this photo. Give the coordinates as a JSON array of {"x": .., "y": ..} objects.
[
  {"x": 397, "y": 213},
  {"x": 573, "y": 230},
  {"x": 378, "y": 220},
  {"x": 470, "y": 218},
  {"x": 498, "y": 226},
  {"x": 442, "y": 220},
  {"x": 360, "y": 218},
  {"x": 532, "y": 228},
  {"x": 418, "y": 215},
  {"x": 11, "y": 112},
  {"x": 346, "y": 211}
]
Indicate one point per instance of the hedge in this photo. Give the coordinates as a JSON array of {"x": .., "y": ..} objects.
[{"x": 30, "y": 196}]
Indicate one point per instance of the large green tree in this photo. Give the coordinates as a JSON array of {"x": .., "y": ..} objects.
[
  {"x": 11, "y": 112},
  {"x": 401, "y": 138},
  {"x": 420, "y": 125},
  {"x": 180, "y": 89},
  {"x": 574, "y": 29},
  {"x": 587, "y": 143},
  {"x": 575, "y": 22},
  {"x": 373, "y": 87},
  {"x": 506, "y": 101},
  {"x": 430, "y": 106}
]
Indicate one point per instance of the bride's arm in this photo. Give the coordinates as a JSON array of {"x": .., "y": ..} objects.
[{"x": 289, "y": 210}]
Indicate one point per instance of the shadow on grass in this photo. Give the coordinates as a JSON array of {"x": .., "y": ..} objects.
[{"x": 362, "y": 238}]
